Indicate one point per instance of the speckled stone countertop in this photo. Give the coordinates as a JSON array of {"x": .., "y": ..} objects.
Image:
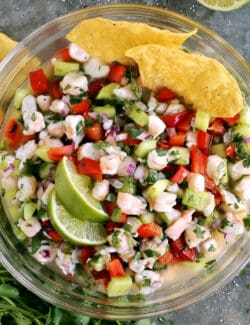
[{"x": 18, "y": 18}]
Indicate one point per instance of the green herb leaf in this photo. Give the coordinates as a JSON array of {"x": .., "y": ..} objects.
[
  {"x": 153, "y": 176},
  {"x": 161, "y": 152},
  {"x": 79, "y": 128},
  {"x": 209, "y": 265},
  {"x": 31, "y": 168},
  {"x": 134, "y": 132},
  {"x": 101, "y": 145},
  {"x": 7, "y": 290},
  {"x": 53, "y": 117},
  {"x": 247, "y": 223},
  {"x": 36, "y": 242},
  {"x": 75, "y": 99},
  {"x": 199, "y": 232},
  {"x": 151, "y": 253}
]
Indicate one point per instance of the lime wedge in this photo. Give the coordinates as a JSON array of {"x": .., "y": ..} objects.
[
  {"x": 223, "y": 5},
  {"x": 74, "y": 230},
  {"x": 74, "y": 192}
]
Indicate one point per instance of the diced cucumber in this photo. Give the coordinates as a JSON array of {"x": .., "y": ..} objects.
[
  {"x": 2, "y": 144},
  {"x": 42, "y": 153},
  {"x": 18, "y": 232},
  {"x": 195, "y": 200},
  {"x": 218, "y": 149},
  {"x": 157, "y": 188},
  {"x": 97, "y": 262},
  {"x": 202, "y": 120},
  {"x": 129, "y": 184},
  {"x": 138, "y": 116},
  {"x": 242, "y": 129},
  {"x": 163, "y": 217},
  {"x": 45, "y": 170},
  {"x": 62, "y": 68},
  {"x": 245, "y": 116},
  {"x": 143, "y": 148},
  {"x": 180, "y": 155},
  {"x": 28, "y": 209},
  {"x": 106, "y": 92},
  {"x": 106, "y": 109},
  {"x": 147, "y": 217},
  {"x": 119, "y": 286},
  {"x": 13, "y": 208},
  {"x": 210, "y": 219},
  {"x": 116, "y": 215},
  {"x": 19, "y": 96}
]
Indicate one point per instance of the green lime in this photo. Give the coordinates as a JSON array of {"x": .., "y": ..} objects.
[
  {"x": 74, "y": 192},
  {"x": 73, "y": 229},
  {"x": 223, "y": 5}
]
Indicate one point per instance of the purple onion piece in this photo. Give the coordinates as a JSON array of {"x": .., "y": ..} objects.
[
  {"x": 131, "y": 169},
  {"x": 9, "y": 168},
  {"x": 246, "y": 140}
]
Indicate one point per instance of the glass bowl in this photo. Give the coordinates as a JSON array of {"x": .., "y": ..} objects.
[{"x": 39, "y": 47}]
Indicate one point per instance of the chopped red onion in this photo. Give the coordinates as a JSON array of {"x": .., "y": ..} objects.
[
  {"x": 107, "y": 124},
  {"x": 45, "y": 253},
  {"x": 114, "y": 129},
  {"x": 246, "y": 140},
  {"x": 105, "y": 117},
  {"x": 131, "y": 169},
  {"x": 66, "y": 99},
  {"x": 121, "y": 137},
  {"x": 140, "y": 173},
  {"x": 10, "y": 168},
  {"x": 171, "y": 131}
]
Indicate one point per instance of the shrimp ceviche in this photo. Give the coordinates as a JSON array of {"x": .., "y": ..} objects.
[{"x": 104, "y": 178}]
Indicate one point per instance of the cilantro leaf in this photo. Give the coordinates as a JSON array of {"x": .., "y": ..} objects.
[
  {"x": 209, "y": 265},
  {"x": 247, "y": 223},
  {"x": 31, "y": 168},
  {"x": 153, "y": 176},
  {"x": 134, "y": 132},
  {"x": 199, "y": 232},
  {"x": 75, "y": 99},
  {"x": 101, "y": 145},
  {"x": 134, "y": 85}
]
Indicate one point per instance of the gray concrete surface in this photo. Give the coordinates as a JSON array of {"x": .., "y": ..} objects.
[{"x": 231, "y": 304}]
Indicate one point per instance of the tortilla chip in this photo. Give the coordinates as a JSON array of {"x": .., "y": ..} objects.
[
  {"x": 7, "y": 44},
  {"x": 108, "y": 40},
  {"x": 202, "y": 82}
]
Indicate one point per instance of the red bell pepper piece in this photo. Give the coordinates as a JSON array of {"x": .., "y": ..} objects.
[
  {"x": 230, "y": 150},
  {"x": 185, "y": 124},
  {"x": 130, "y": 141},
  {"x": 54, "y": 235},
  {"x": 110, "y": 226},
  {"x": 198, "y": 161},
  {"x": 117, "y": 72},
  {"x": 232, "y": 120},
  {"x": 165, "y": 94},
  {"x": 57, "y": 153},
  {"x": 162, "y": 144},
  {"x": 166, "y": 258},
  {"x": 172, "y": 120},
  {"x": 203, "y": 140},
  {"x": 96, "y": 86},
  {"x": 94, "y": 132},
  {"x": 180, "y": 175},
  {"x": 177, "y": 140},
  {"x": 80, "y": 108},
  {"x": 39, "y": 81},
  {"x": 54, "y": 89},
  {"x": 110, "y": 207},
  {"x": 115, "y": 268},
  {"x": 147, "y": 230},
  {"x": 89, "y": 167},
  {"x": 87, "y": 252},
  {"x": 177, "y": 245},
  {"x": 63, "y": 55},
  {"x": 14, "y": 134},
  {"x": 217, "y": 127},
  {"x": 188, "y": 254},
  {"x": 176, "y": 260}
]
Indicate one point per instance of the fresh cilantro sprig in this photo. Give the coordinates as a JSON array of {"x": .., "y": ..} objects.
[{"x": 240, "y": 150}]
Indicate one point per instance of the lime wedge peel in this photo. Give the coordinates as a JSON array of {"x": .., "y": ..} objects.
[
  {"x": 74, "y": 230},
  {"x": 74, "y": 192},
  {"x": 223, "y": 5}
]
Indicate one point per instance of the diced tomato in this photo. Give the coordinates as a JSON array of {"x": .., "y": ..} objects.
[
  {"x": 57, "y": 153},
  {"x": 45, "y": 224},
  {"x": 198, "y": 161},
  {"x": 117, "y": 72},
  {"x": 177, "y": 245},
  {"x": 232, "y": 120},
  {"x": 188, "y": 254},
  {"x": 87, "y": 252},
  {"x": 115, "y": 268},
  {"x": 180, "y": 175},
  {"x": 147, "y": 230},
  {"x": 172, "y": 120},
  {"x": 14, "y": 134},
  {"x": 162, "y": 144},
  {"x": 217, "y": 127},
  {"x": 176, "y": 260},
  {"x": 217, "y": 198},
  {"x": 96, "y": 86},
  {"x": 203, "y": 139},
  {"x": 89, "y": 167},
  {"x": 94, "y": 132},
  {"x": 213, "y": 188},
  {"x": 177, "y": 140},
  {"x": 54, "y": 235},
  {"x": 166, "y": 258},
  {"x": 230, "y": 150},
  {"x": 82, "y": 107},
  {"x": 101, "y": 275},
  {"x": 110, "y": 207},
  {"x": 130, "y": 141},
  {"x": 185, "y": 124},
  {"x": 39, "y": 81},
  {"x": 165, "y": 94},
  {"x": 170, "y": 170},
  {"x": 63, "y": 55},
  {"x": 54, "y": 89},
  {"x": 110, "y": 226}
]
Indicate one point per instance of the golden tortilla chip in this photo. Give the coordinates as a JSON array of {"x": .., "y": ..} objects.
[
  {"x": 203, "y": 82},
  {"x": 108, "y": 40},
  {"x": 7, "y": 44}
]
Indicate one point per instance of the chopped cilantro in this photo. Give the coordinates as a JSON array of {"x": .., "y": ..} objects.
[
  {"x": 124, "y": 148},
  {"x": 127, "y": 227},
  {"x": 36, "y": 242},
  {"x": 31, "y": 168},
  {"x": 33, "y": 116},
  {"x": 224, "y": 223},
  {"x": 134, "y": 85},
  {"x": 201, "y": 221},
  {"x": 240, "y": 150},
  {"x": 115, "y": 238},
  {"x": 53, "y": 117},
  {"x": 79, "y": 128},
  {"x": 243, "y": 272},
  {"x": 151, "y": 253},
  {"x": 111, "y": 197},
  {"x": 145, "y": 283},
  {"x": 153, "y": 176},
  {"x": 99, "y": 119},
  {"x": 161, "y": 152},
  {"x": 209, "y": 265},
  {"x": 211, "y": 248},
  {"x": 199, "y": 232},
  {"x": 74, "y": 99},
  {"x": 101, "y": 145},
  {"x": 134, "y": 132},
  {"x": 247, "y": 223}
]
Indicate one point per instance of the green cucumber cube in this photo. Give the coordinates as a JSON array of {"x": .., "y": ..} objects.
[
  {"x": 147, "y": 217},
  {"x": 19, "y": 96},
  {"x": 62, "y": 68},
  {"x": 106, "y": 93},
  {"x": 42, "y": 153},
  {"x": 157, "y": 188},
  {"x": 138, "y": 116},
  {"x": 119, "y": 286},
  {"x": 106, "y": 109},
  {"x": 28, "y": 209},
  {"x": 218, "y": 149},
  {"x": 245, "y": 116},
  {"x": 202, "y": 120},
  {"x": 195, "y": 200},
  {"x": 129, "y": 184},
  {"x": 182, "y": 155},
  {"x": 143, "y": 148}
]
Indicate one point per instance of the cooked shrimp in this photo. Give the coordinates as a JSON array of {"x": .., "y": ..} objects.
[
  {"x": 176, "y": 229},
  {"x": 130, "y": 204}
]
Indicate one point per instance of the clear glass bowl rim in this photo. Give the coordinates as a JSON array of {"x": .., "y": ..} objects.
[{"x": 194, "y": 291}]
